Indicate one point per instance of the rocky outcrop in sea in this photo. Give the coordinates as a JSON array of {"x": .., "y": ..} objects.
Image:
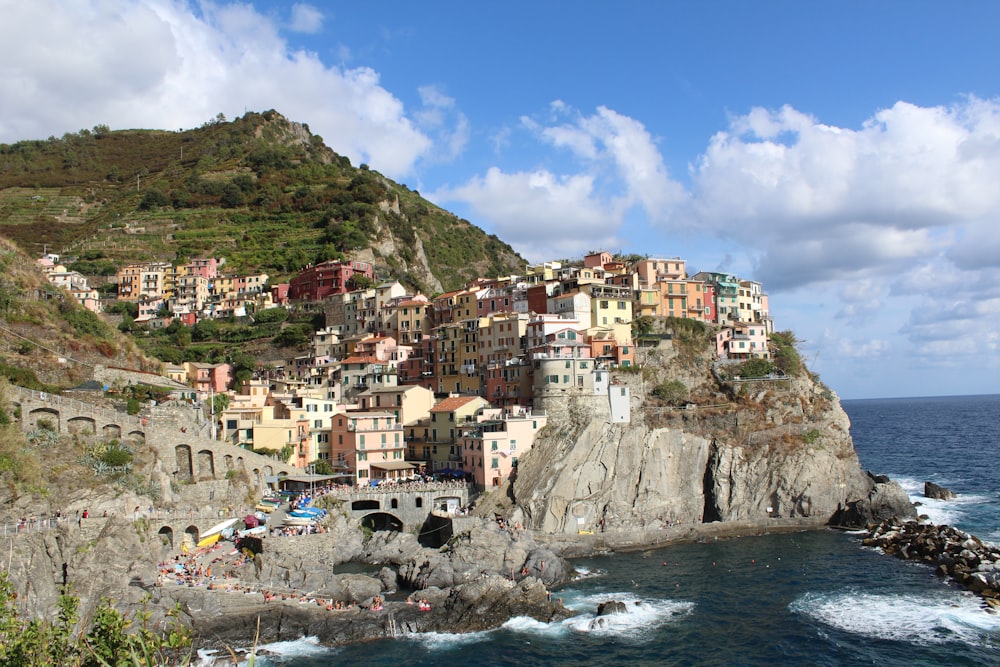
[
  {"x": 962, "y": 557},
  {"x": 764, "y": 450}
]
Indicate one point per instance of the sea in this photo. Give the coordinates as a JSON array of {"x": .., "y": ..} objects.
[{"x": 811, "y": 598}]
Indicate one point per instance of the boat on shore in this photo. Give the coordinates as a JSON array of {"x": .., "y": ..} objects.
[{"x": 299, "y": 521}]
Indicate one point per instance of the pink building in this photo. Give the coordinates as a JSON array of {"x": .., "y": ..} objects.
[
  {"x": 491, "y": 447},
  {"x": 206, "y": 268},
  {"x": 370, "y": 445}
]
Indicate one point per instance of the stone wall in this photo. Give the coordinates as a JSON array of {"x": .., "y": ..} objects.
[{"x": 183, "y": 451}]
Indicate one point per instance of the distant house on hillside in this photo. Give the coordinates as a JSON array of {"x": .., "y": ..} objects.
[{"x": 318, "y": 281}]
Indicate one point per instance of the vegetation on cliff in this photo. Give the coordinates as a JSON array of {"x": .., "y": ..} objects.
[
  {"x": 261, "y": 191},
  {"x": 107, "y": 640},
  {"x": 47, "y": 340}
]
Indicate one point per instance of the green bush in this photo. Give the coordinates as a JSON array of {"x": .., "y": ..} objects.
[
  {"x": 277, "y": 314},
  {"x": 673, "y": 392},
  {"x": 755, "y": 368},
  {"x": 786, "y": 356},
  {"x": 108, "y": 640}
]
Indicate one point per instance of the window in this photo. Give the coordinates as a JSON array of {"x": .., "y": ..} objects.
[
  {"x": 495, "y": 463},
  {"x": 493, "y": 445},
  {"x": 583, "y": 365},
  {"x": 362, "y": 456},
  {"x": 361, "y": 442}
]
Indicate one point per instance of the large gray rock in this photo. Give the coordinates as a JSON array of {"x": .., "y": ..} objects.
[
  {"x": 611, "y": 607},
  {"x": 780, "y": 454},
  {"x": 932, "y": 490},
  {"x": 886, "y": 501}
]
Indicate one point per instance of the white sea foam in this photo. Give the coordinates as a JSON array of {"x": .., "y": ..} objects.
[
  {"x": 446, "y": 640},
  {"x": 267, "y": 654},
  {"x": 641, "y": 616},
  {"x": 905, "y": 618},
  {"x": 941, "y": 511},
  {"x": 305, "y": 646},
  {"x": 583, "y": 572}
]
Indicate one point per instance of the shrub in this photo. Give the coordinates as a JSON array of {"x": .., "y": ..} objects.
[
  {"x": 783, "y": 351},
  {"x": 673, "y": 392},
  {"x": 755, "y": 368}
]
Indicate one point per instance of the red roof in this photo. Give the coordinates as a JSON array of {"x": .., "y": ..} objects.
[
  {"x": 454, "y": 403},
  {"x": 360, "y": 360}
]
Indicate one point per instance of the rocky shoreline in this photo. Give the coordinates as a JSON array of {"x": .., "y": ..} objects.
[
  {"x": 957, "y": 555},
  {"x": 483, "y": 577}
]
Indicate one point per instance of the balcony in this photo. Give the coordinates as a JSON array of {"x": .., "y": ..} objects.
[{"x": 368, "y": 428}]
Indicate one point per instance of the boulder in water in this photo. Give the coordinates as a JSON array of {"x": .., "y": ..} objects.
[
  {"x": 611, "y": 607},
  {"x": 932, "y": 490}
]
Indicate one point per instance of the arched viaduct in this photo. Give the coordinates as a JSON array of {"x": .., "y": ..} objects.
[
  {"x": 181, "y": 443},
  {"x": 402, "y": 508}
]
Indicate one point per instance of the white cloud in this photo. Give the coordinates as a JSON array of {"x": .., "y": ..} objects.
[
  {"x": 305, "y": 18},
  {"x": 618, "y": 167},
  {"x": 776, "y": 176},
  {"x": 159, "y": 64},
  {"x": 441, "y": 119},
  {"x": 542, "y": 215}
]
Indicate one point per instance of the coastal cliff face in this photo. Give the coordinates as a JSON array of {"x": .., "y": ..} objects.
[{"x": 741, "y": 450}]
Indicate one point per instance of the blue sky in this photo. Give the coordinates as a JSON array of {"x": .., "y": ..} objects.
[{"x": 844, "y": 154}]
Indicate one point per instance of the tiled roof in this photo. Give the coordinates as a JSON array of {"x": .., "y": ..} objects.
[{"x": 454, "y": 403}]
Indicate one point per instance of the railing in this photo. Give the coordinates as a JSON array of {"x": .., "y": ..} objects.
[
  {"x": 369, "y": 429},
  {"x": 396, "y": 487}
]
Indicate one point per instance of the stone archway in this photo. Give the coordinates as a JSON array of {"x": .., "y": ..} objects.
[
  {"x": 81, "y": 424},
  {"x": 365, "y": 505},
  {"x": 190, "y": 539},
  {"x": 136, "y": 437},
  {"x": 112, "y": 431},
  {"x": 166, "y": 536},
  {"x": 184, "y": 468},
  {"x": 206, "y": 464},
  {"x": 227, "y": 460},
  {"x": 382, "y": 521},
  {"x": 42, "y": 417}
]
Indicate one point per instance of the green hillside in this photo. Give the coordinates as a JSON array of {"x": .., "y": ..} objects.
[{"x": 260, "y": 191}]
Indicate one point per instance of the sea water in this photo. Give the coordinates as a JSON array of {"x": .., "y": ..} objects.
[{"x": 813, "y": 598}]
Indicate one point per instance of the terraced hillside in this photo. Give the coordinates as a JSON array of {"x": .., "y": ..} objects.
[{"x": 263, "y": 192}]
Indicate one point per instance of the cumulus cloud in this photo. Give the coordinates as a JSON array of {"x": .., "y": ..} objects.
[
  {"x": 162, "y": 64},
  {"x": 779, "y": 177},
  {"x": 543, "y": 215},
  {"x": 441, "y": 119},
  {"x": 305, "y": 18},
  {"x": 616, "y": 168}
]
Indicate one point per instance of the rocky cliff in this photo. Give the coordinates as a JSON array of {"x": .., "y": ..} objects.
[{"x": 740, "y": 450}]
